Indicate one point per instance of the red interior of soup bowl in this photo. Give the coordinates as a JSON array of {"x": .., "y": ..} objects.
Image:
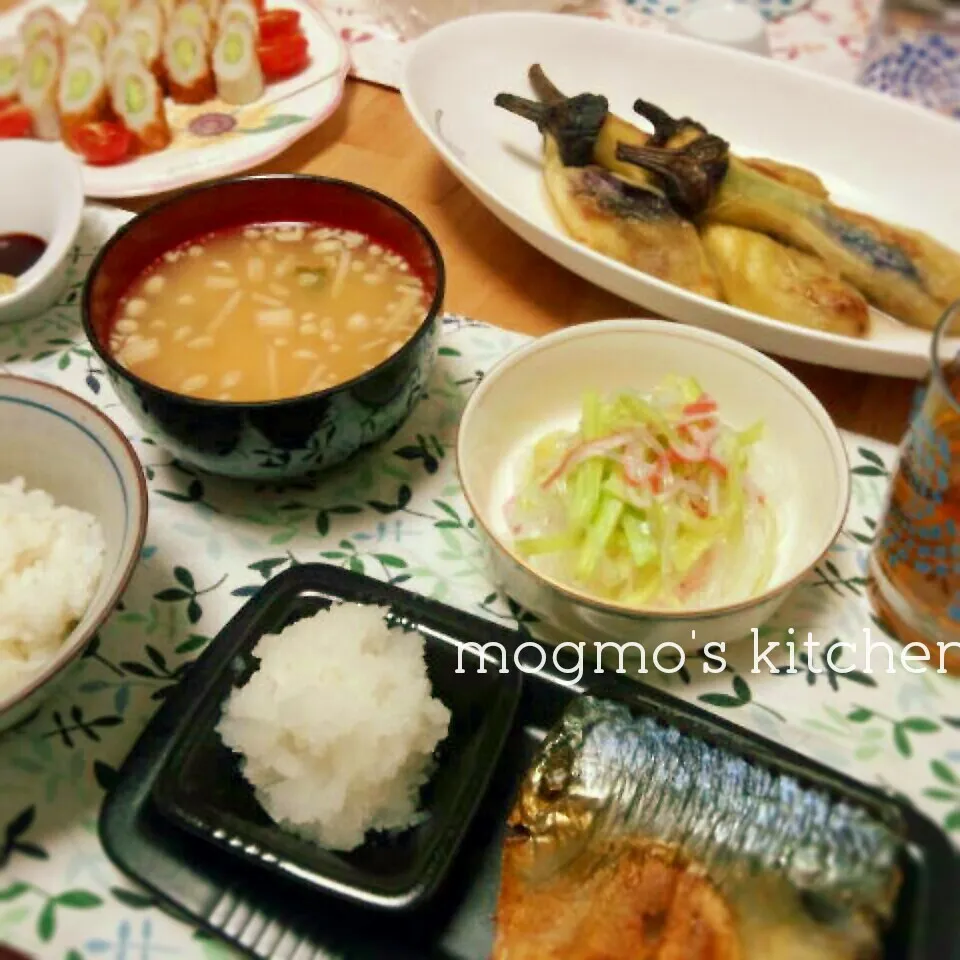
[{"x": 231, "y": 204}]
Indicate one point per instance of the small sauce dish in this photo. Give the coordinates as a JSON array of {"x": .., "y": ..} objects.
[{"x": 41, "y": 197}]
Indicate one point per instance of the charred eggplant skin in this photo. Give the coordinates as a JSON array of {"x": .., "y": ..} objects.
[
  {"x": 629, "y": 219},
  {"x": 575, "y": 123}
]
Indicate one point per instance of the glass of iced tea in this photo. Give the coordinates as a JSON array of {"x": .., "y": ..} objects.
[{"x": 915, "y": 563}]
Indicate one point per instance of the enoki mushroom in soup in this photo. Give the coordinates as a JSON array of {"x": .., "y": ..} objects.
[{"x": 267, "y": 312}]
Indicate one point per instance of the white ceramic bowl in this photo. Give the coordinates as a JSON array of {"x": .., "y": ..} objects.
[
  {"x": 801, "y": 463},
  {"x": 61, "y": 444},
  {"x": 41, "y": 193}
]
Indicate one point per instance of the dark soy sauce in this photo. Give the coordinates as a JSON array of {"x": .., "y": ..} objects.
[{"x": 19, "y": 252}]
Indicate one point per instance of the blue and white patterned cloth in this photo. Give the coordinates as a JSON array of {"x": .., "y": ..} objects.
[{"x": 923, "y": 67}]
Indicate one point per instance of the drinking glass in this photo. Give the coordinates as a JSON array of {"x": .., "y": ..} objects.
[
  {"x": 913, "y": 52},
  {"x": 914, "y": 578}
]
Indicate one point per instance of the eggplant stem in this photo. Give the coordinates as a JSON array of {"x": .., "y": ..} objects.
[
  {"x": 574, "y": 122},
  {"x": 522, "y": 107},
  {"x": 543, "y": 87},
  {"x": 665, "y": 127},
  {"x": 691, "y": 174}
]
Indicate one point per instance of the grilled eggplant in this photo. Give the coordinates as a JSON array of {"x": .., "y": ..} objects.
[
  {"x": 633, "y": 840},
  {"x": 764, "y": 276},
  {"x": 632, "y": 222},
  {"x": 797, "y": 177},
  {"x": 903, "y": 272}
]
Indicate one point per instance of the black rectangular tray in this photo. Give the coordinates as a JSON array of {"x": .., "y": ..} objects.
[{"x": 270, "y": 917}]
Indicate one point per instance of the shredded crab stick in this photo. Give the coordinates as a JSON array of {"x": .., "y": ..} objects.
[{"x": 648, "y": 503}]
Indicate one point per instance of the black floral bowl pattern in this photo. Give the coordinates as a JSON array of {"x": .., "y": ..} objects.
[{"x": 283, "y": 438}]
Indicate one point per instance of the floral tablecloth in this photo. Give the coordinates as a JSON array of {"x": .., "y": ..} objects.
[
  {"x": 824, "y": 35},
  {"x": 396, "y": 514}
]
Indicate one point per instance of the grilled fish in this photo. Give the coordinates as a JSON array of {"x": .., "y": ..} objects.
[
  {"x": 764, "y": 276},
  {"x": 633, "y": 840}
]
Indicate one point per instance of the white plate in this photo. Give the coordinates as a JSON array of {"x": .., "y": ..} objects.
[
  {"x": 874, "y": 153},
  {"x": 248, "y": 135}
]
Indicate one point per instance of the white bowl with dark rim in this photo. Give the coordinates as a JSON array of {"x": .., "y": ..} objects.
[
  {"x": 800, "y": 464},
  {"x": 62, "y": 445}
]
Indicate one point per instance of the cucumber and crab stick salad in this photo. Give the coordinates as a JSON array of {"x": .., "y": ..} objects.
[{"x": 649, "y": 503}]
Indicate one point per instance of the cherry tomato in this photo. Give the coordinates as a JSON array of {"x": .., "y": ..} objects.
[
  {"x": 283, "y": 56},
  {"x": 278, "y": 23},
  {"x": 102, "y": 143},
  {"x": 7, "y": 102},
  {"x": 15, "y": 122}
]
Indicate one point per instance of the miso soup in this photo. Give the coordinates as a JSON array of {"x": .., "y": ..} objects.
[{"x": 267, "y": 312}]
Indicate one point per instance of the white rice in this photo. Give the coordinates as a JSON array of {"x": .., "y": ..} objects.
[
  {"x": 338, "y": 725},
  {"x": 51, "y": 560}
]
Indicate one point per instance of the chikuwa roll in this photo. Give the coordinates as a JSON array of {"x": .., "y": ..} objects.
[
  {"x": 168, "y": 7},
  {"x": 137, "y": 100},
  {"x": 96, "y": 25},
  {"x": 150, "y": 10},
  {"x": 116, "y": 10},
  {"x": 212, "y": 7},
  {"x": 123, "y": 47},
  {"x": 236, "y": 66},
  {"x": 193, "y": 14},
  {"x": 43, "y": 22},
  {"x": 186, "y": 62},
  {"x": 77, "y": 41},
  {"x": 10, "y": 60},
  {"x": 148, "y": 35},
  {"x": 39, "y": 76},
  {"x": 239, "y": 11},
  {"x": 82, "y": 95}
]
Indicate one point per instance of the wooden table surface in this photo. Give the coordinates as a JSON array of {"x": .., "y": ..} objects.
[{"x": 493, "y": 275}]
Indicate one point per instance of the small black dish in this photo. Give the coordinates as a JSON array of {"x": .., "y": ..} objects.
[{"x": 202, "y": 790}]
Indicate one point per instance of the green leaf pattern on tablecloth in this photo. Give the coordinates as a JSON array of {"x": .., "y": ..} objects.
[{"x": 396, "y": 513}]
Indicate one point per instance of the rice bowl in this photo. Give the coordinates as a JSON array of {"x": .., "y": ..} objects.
[
  {"x": 64, "y": 446},
  {"x": 51, "y": 561}
]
